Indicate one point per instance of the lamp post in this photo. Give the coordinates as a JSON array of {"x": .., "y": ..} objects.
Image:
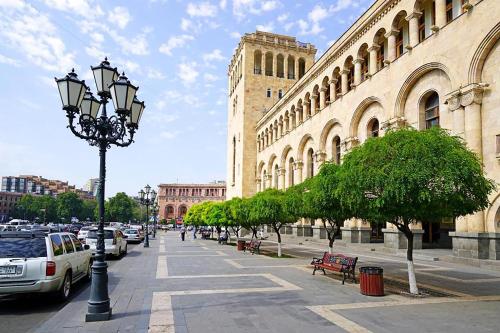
[
  {"x": 155, "y": 213},
  {"x": 102, "y": 131},
  {"x": 147, "y": 197}
]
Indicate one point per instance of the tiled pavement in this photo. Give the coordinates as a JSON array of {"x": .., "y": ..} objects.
[{"x": 200, "y": 286}]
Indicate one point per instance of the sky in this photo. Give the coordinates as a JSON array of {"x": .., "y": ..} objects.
[{"x": 176, "y": 51}]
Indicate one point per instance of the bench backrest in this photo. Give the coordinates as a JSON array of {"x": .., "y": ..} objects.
[
  {"x": 254, "y": 243},
  {"x": 338, "y": 259}
]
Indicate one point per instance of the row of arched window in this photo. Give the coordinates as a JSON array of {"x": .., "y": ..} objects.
[
  {"x": 430, "y": 109},
  {"x": 279, "y": 66},
  {"x": 405, "y": 32}
]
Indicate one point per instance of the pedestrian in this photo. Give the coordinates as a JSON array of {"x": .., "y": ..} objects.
[
  {"x": 183, "y": 233},
  {"x": 194, "y": 232}
]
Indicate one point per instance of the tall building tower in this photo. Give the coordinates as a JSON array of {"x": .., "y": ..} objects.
[{"x": 263, "y": 68}]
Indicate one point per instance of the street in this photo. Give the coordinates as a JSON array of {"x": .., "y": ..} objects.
[{"x": 24, "y": 313}]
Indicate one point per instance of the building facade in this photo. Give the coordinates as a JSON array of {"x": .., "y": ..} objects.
[
  {"x": 175, "y": 199},
  {"x": 39, "y": 185},
  {"x": 91, "y": 186},
  {"x": 403, "y": 62},
  {"x": 8, "y": 202}
]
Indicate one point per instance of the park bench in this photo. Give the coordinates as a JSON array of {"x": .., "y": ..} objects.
[
  {"x": 252, "y": 246},
  {"x": 205, "y": 234},
  {"x": 337, "y": 263}
]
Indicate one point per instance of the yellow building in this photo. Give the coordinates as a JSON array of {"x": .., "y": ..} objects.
[{"x": 403, "y": 62}]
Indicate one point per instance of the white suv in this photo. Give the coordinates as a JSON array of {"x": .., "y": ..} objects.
[
  {"x": 35, "y": 262},
  {"x": 115, "y": 242}
]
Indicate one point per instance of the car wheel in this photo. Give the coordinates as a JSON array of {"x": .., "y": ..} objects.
[
  {"x": 65, "y": 290},
  {"x": 88, "y": 276}
]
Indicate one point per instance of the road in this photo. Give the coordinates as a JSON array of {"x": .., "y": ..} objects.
[{"x": 22, "y": 314}]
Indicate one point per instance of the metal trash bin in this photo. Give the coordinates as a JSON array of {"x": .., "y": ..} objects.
[
  {"x": 241, "y": 245},
  {"x": 371, "y": 281}
]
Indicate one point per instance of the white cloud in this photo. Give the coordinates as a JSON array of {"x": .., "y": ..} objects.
[
  {"x": 215, "y": 55},
  {"x": 202, "y": 9},
  {"x": 289, "y": 26},
  {"x": 269, "y": 27},
  {"x": 243, "y": 7},
  {"x": 223, "y": 4},
  {"x": 85, "y": 8},
  {"x": 235, "y": 34},
  {"x": 283, "y": 17},
  {"x": 319, "y": 13},
  {"x": 128, "y": 66},
  {"x": 95, "y": 52},
  {"x": 155, "y": 74},
  {"x": 119, "y": 16},
  {"x": 9, "y": 61},
  {"x": 137, "y": 45},
  {"x": 174, "y": 42},
  {"x": 32, "y": 35},
  {"x": 186, "y": 24},
  {"x": 169, "y": 134},
  {"x": 210, "y": 77},
  {"x": 187, "y": 73}
]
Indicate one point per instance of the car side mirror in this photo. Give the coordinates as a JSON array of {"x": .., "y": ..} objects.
[{"x": 86, "y": 247}]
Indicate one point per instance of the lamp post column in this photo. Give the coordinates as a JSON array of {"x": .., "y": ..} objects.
[{"x": 146, "y": 241}]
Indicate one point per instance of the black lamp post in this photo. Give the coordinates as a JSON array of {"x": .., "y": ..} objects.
[
  {"x": 101, "y": 131},
  {"x": 147, "y": 197},
  {"x": 155, "y": 213}
]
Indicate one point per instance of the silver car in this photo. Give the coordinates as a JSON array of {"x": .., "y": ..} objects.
[
  {"x": 133, "y": 235},
  {"x": 115, "y": 242},
  {"x": 36, "y": 262}
]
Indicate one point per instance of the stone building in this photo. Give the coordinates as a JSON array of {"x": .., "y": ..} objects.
[
  {"x": 403, "y": 62},
  {"x": 8, "y": 201},
  {"x": 175, "y": 199}
]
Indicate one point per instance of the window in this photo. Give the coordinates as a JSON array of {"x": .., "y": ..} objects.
[
  {"x": 336, "y": 150},
  {"x": 76, "y": 242},
  {"x": 421, "y": 27},
  {"x": 280, "y": 93},
  {"x": 264, "y": 179},
  {"x": 432, "y": 111},
  {"x": 57, "y": 246},
  {"x": 268, "y": 93},
  {"x": 449, "y": 10},
  {"x": 22, "y": 248},
  {"x": 276, "y": 176},
  {"x": 399, "y": 44},
  {"x": 302, "y": 67},
  {"x": 373, "y": 129},
  {"x": 234, "y": 159},
  {"x": 68, "y": 245},
  {"x": 269, "y": 64},
  {"x": 257, "y": 63},
  {"x": 310, "y": 163},
  {"x": 291, "y": 181}
]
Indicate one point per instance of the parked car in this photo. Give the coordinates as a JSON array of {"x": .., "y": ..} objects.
[
  {"x": 36, "y": 262},
  {"x": 115, "y": 242},
  {"x": 82, "y": 234},
  {"x": 133, "y": 235}
]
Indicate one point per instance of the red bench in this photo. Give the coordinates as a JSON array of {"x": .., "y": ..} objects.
[
  {"x": 252, "y": 246},
  {"x": 337, "y": 263}
]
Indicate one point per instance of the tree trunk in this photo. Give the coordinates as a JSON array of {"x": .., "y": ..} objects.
[
  {"x": 409, "y": 257},
  {"x": 277, "y": 231},
  {"x": 331, "y": 235}
]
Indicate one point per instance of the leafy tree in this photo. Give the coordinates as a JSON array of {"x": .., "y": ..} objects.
[
  {"x": 87, "y": 211},
  {"x": 230, "y": 212},
  {"x": 46, "y": 208},
  {"x": 241, "y": 212},
  {"x": 69, "y": 205},
  {"x": 120, "y": 208},
  {"x": 275, "y": 208},
  {"x": 320, "y": 201},
  {"x": 409, "y": 176}
]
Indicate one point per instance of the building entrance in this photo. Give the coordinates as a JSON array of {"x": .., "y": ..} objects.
[{"x": 436, "y": 234}]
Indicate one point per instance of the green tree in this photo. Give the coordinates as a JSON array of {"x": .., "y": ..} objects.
[
  {"x": 120, "y": 208},
  {"x": 275, "y": 208},
  {"x": 241, "y": 212},
  {"x": 320, "y": 201},
  {"x": 409, "y": 176},
  {"x": 88, "y": 209},
  {"x": 68, "y": 205}
]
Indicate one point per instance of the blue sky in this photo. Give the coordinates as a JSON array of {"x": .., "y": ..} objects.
[{"x": 176, "y": 51}]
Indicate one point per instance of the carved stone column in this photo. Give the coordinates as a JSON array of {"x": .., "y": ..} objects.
[
  {"x": 285, "y": 68},
  {"x": 453, "y": 101},
  {"x": 308, "y": 112},
  {"x": 348, "y": 144},
  {"x": 258, "y": 183},
  {"x": 333, "y": 92},
  {"x": 263, "y": 63},
  {"x": 296, "y": 69},
  {"x": 357, "y": 71},
  {"x": 281, "y": 174},
  {"x": 275, "y": 65},
  {"x": 313, "y": 104},
  {"x": 345, "y": 87},
  {"x": 373, "y": 59},
  {"x": 440, "y": 14},
  {"x": 413, "y": 29},
  {"x": 297, "y": 167},
  {"x": 393, "y": 123},
  {"x": 320, "y": 159},
  {"x": 322, "y": 98},
  {"x": 391, "y": 44}
]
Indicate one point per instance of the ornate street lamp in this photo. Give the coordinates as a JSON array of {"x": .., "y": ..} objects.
[
  {"x": 155, "y": 213},
  {"x": 102, "y": 131},
  {"x": 146, "y": 198}
]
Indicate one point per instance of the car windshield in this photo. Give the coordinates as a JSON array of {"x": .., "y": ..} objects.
[
  {"x": 131, "y": 231},
  {"x": 108, "y": 234},
  {"x": 22, "y": 248}
]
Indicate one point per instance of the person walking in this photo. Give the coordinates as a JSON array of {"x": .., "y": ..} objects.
[{"x": 183, "y": 233}]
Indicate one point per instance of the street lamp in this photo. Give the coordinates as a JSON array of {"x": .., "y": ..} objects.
[
  {"x": 147, "y": 197},
  {"x": 102, "y": 131},
  {"x": 155, "y": 213}
]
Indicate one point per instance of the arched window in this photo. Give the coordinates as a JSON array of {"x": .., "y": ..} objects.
[
  {"x": 291, "y": 180},
  {"x": 302, "y": 67},
  {"x": 427, "y": 19},
  {"x": 373, "y": 128},
  {"x": 276, "y": 176},
  {"x": 310, "y": 163},
  {"x": 432, "y": 110},
  {"x": 280, "y": 93},
  {"x": 257, "y": 62},
  {"x": 349, "y": 66},
  {"x": 269, "y": 64},
  {"x": 268, "y": 93},
  {"x": 264, "y": 179},
  {"x": 336, "y": 150},
  {"x": 400, "y": 25},
  {"x": 280, "y": 64},
  {"x": 291, "y": 67},
  {"x": 381, "y": 42},
  {"x": 234, "y": 160}
]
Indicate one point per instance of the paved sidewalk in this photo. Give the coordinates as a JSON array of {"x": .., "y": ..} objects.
[{"x": 199, "y": 286}]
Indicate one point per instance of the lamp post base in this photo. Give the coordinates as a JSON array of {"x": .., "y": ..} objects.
[{"x": 103, "y": 316}]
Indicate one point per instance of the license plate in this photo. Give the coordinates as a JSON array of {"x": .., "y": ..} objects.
[{"x": 5, "y": 270}]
